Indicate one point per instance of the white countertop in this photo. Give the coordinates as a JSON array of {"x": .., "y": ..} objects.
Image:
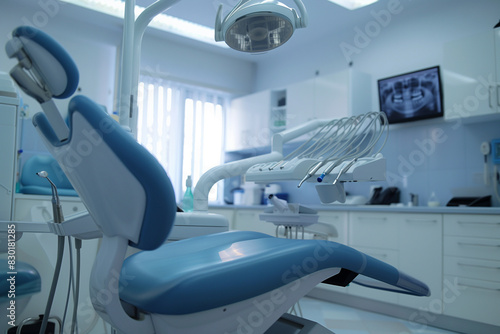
[{"x": 382, "y": 208}]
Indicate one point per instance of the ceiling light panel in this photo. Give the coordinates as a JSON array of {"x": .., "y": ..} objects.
[{"x": 162, "y": 22}]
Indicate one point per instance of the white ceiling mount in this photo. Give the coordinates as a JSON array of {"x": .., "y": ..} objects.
[{"x": 353, "y": 4}]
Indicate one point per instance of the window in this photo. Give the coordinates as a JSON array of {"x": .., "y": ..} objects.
[{"x": 183, "y": 127}]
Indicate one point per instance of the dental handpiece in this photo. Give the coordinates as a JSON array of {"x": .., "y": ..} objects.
[
  {"x": 56, "y": 204},
  {"x": 328, "y": 170},
  {"x": 344, "y": 169},
  {"x": 311, "y": 172}
]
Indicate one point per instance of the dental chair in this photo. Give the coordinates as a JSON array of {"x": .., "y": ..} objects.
[{"x": 231, "y": 282}]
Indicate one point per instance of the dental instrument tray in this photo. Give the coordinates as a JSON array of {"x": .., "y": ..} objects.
[
  {"x": 289, "y": 214},
  {"x": 289, "y": 219},
  {"x": 364, "y": 169},
  {"x": 340, "y": 150}
]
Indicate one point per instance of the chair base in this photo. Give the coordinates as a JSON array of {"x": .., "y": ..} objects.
[{"x": 290, "y": 324}]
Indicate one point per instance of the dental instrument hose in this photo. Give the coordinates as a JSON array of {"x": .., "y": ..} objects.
[
  {"x": 57, "y": 270},
  {"x": 74, "y": 324},
  {"x": 58, "y": 218}
]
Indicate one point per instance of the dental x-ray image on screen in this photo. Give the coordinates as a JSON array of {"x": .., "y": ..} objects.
[{"x": 411, "y": 96}]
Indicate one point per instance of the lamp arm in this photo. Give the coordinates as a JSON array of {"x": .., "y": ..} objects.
[
  {"x": 131, "y": 56},
  {"x": 282, "y": 137},
  {"x": 304, "y": 20},
  {"x": 125, "y": 84}
]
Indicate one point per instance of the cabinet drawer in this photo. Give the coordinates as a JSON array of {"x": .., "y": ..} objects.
[
  {"x": 472, "y": 268},
  {"x": 487, "y": 226},
  {"x": 472, "y": 299},
  {"x": 70, "y": 208},
  {"x": 373, "y": 230},
  {"x": 27, "y": 208},
  {"x": 388, "y": 256},
  {"x": 477, "y": 248},
  {"x": 339, "y": 221},
  {"x": 248, "y": 220}
]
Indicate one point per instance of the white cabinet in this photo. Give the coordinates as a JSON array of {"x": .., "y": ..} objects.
[
  {"x": 39, "y": 207},
  {"x": 411, "y": 242},
  {"x": 420, "y": 249},
  {"x": 8, "y": 135},
  {"x": 247, "y": 122},
  {"x": 471, "y": 285},
  {"x": 339, "y": 221},
  {"x": 228, "y": 213},
  {"x": 329, "y": 96},
  {"x": 248, "y": 220},
  {"x": 253, "y": 119},
  {"x": 375, "y": 234},
  {"x": 471, "y": 75}
]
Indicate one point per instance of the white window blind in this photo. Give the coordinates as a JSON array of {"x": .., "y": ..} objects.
[{"x": 183, "y": 127}]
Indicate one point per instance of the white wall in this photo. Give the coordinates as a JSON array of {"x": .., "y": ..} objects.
[{"x": 411, "y": 39}]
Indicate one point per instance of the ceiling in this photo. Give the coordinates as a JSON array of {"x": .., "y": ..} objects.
[{"x": 326, "y": 19}]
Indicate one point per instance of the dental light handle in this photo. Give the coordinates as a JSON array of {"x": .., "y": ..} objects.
[{"x": 485, "y": 150}]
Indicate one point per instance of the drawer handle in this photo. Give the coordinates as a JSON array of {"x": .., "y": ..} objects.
[
  {"x": 476, "y": 244},
  {"x": 477, "y": 266},
  {"x": 476, "y": 223},
  {"x": 415, "y": 220},
  {"x": 477, "y": 287},
  {"x": 373, "y": 219}
]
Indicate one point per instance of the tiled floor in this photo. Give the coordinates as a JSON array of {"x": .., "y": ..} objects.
[{"x": 345, "y": 320}]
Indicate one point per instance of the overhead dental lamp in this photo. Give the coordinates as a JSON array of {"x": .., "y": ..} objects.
[
  {"x": 259, "y": 25},
  {"x": 252, "y": 26}
]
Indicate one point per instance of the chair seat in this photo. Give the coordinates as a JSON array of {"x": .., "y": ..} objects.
[
  {"x": 26, "y": 280},
  {"x": 211, "y": 271}
]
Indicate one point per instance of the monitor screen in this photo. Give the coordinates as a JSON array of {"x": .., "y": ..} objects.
[{"x": 411, "y": 96}]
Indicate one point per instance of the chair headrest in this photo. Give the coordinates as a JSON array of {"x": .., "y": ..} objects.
[{"x": 40, "y": 54}]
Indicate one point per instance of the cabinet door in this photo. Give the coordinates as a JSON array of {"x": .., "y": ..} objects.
[
  {"x": 420, "y": 255},
  {"x": 376, "y": 230},
  {"x": 339, "y": 221},
  {"x": 332, "y": 96},
  {"x": 248, "y": 220},
  {"x": 7, "y": 154},
  {"x": 228, "y": 213},
  {"x": 469, "y": 77},
  {"x": 300, "y": 103},
  {"x": 385, "y": 255},
  {"x": 39, "y": 207},
  {"x": 247, "y": 123},
  {"x": 472, "y": 299},
  {"x": 497, "y": 63}
]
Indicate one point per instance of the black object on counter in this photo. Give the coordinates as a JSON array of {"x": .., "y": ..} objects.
[{"x": 470, "y": 201}]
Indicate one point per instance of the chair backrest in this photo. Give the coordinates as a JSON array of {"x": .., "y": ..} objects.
[{"x": 123, "y": 186}]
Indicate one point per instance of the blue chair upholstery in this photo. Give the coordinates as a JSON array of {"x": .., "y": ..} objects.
[
  {"x": 30, "y": 183},
  {"x": 27, "y": 280},
  {"x": 69, "y": 68}
]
